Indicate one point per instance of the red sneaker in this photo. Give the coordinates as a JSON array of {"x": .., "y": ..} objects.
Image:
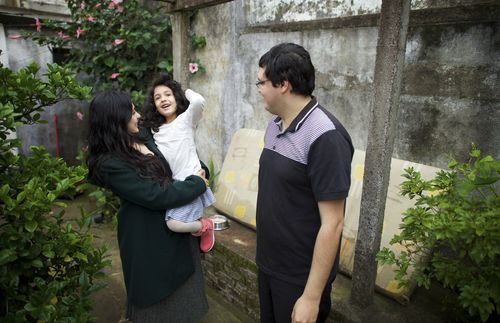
[{"x": 207, "y": 239}]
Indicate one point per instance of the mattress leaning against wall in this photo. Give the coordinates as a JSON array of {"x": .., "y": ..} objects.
[{"x": 236, "y": 194}]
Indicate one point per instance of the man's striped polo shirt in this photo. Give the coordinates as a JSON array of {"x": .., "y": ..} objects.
[{"x": 308, "y": 162}]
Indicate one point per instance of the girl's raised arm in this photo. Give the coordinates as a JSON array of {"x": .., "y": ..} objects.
[{"x": 196, "y": 106}]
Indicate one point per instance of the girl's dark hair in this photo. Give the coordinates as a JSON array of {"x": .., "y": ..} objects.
[
  {"x": 109, "y": 115},
  {"x": 150, "y": 116}
]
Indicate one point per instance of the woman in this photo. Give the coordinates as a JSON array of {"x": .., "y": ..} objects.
[{"x": 161, "y": 268}]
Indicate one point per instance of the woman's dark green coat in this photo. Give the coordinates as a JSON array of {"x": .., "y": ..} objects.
[{"x": 155, "y": 260}]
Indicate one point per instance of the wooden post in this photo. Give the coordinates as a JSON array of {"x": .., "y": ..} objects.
[
  {"x": 389, "y": 65},
  {"x": 180, "y": 47},
  {"x": 180, "y": 36}
]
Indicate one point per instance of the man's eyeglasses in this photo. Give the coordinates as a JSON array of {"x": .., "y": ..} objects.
[{"x": 260, "y": 83}]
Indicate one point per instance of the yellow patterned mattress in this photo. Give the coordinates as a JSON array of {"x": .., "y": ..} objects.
[{"x": 236, "y": 194}]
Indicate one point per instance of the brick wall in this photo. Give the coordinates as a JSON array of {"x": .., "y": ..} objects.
[
  {"x": 231, "y": 271},
  {"x": 233, "y": 276}
]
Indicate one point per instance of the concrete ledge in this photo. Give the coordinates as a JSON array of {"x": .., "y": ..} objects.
[
  {"x": 480, "y": 13},
  {"x": 230, "y": 269}
]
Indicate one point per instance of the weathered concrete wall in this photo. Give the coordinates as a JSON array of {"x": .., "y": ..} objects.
[
  {"x": 72, "y": 131},
  {"x": 450, "y": 95},
  {"x": 299, "y": 10},
  {"x": 282, "y": 11},
  {"x": 36, "y": 8},
  {"x": 451, "y": 92}
]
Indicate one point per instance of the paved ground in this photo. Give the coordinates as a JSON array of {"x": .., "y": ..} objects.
[
  {"x": 425, "y": 306},
  {"x": 109, "y": 303}
]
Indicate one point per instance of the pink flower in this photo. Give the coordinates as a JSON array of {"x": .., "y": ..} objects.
[
  {"x": 91, "y": 19},
  {"x": 193, "y": 68},
  {"x": 114, "y": 75},
  {"x": 62, "y": 35},
  {"x": 118, "y": 41},
  {"x": 116, "y": 4},
  {"x": 79, "y": 31},
  {"x": 82, "y": 5},
  {"x": 79, "y": 115},
  {"x": 38, "y": 25},
  {"x": 97, "y": 5}
]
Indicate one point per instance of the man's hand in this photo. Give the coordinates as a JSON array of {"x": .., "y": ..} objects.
[{"x": 305, "y": 310}]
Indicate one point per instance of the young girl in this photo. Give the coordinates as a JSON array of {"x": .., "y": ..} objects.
[
  {"x": 172, "y": 117},
  {"x": 161, "y": 268}
]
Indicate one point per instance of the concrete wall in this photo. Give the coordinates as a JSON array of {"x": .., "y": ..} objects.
[
  {"x": 18, "y": 53},
  {"x": 36, "y": 8},
  {"x": 450, "y": 94}
]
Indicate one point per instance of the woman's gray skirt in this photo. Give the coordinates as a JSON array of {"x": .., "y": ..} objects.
[{"x": 186, "y": 305}]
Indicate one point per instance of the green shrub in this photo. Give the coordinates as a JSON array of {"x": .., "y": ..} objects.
[
  {"x": 455, "y": 227},
  {"x": 48, "y": 268},
  {"x": 118, "y": 44},
  {"x": 107, "y": 203}
]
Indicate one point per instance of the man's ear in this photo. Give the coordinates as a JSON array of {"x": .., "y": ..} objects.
[{"x": 285, "y": 86}]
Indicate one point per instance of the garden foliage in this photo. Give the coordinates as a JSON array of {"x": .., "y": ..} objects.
[
  {"x": 454, "y": 226},
  {"x": 118, "y": 44},
  {"x": 48, "y": 266}
]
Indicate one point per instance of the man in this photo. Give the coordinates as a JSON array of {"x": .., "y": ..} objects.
[{"x": 304, "y": 178}]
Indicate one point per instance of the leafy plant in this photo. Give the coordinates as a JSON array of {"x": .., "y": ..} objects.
[
  {"x": 118, "y": 44},
  {"x": 195, "y": 66},
  {"x": 213, "y": 174},
  {"x": 198, "y": 41},
  {"x": 48, "y": 268},
  {"x": 107, "y": 203},
  {"x": 454, "y": 225}
]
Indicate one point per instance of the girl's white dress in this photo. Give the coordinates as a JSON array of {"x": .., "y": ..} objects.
[{"x": 175, "y": 140}]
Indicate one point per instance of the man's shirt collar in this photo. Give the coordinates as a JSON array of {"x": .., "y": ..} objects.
[{"x": 299, "y": 119}]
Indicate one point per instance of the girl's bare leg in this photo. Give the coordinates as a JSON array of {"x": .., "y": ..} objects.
[{"x": 182, "y": 227}]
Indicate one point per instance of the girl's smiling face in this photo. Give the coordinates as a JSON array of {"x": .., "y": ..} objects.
[{"x": 165, "y": 102}]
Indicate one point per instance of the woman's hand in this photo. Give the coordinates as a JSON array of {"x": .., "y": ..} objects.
[{"x": 201, "y": 173}]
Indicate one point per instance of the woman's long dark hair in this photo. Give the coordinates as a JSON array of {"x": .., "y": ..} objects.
[
  {"x": 110, "y": 113},
  {"x": 150, "y": 116}
]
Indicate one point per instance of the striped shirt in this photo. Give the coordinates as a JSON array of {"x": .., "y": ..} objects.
[{"x": 310, "y": 161}]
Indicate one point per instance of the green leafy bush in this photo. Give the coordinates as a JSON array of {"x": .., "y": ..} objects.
[
  {"x": 48, "y": 267},
  {"x": 455, "y": 227},
  {"x": 107, "y": 203},
  {"x": 118, "y": 44}
]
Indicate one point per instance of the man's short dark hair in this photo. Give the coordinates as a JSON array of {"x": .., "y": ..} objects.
[{"x": 289, "y": 62}]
